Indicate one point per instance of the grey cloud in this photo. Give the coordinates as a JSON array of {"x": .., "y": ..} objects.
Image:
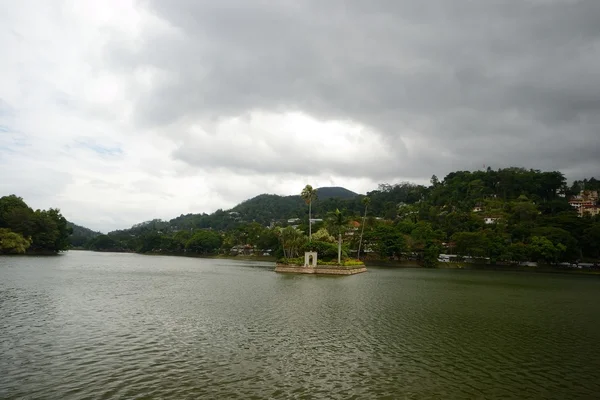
[{"x": 496, "y": 82}]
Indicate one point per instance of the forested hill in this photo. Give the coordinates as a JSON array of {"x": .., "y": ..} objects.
[
  {"x": 266, "y": 208},
  {"x": 335, "y": 192},
  {"x": 80, "y": 235},
  {"x": 25, "y": 230},
  {"x": 458, "y": 192}
]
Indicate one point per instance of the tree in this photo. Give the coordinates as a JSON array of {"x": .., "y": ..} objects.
[
  {"x": 387, "y": 240},
  {"x": 470, "y": 244},
  {"x": 7, "y": 205},
  {"x": 542, "y": 249},
  {"x": 338, "y": 222},
  {"x": 323, "y": 235},
  {"x": 291, "y": 241},
  {"x": 104, "y": 243},
  {"x": 366, "y": 201},
  {"x": 592, "y": 240},
  {"x": 327, "y": 251},
  {"x": 204, "y": 242},
  {"x": 518, "y": 252},
  {"x": 560, "y": 236},
  {"x": 309, "y": 194},
  {"x": 426, "y": 242},
  {"x": 12, "y": 242}
]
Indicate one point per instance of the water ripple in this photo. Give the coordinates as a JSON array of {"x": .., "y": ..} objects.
[{"x": 107, "y": 326}]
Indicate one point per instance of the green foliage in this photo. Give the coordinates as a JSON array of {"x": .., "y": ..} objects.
[
  {"x": 541, "y": 248},
  {"x": 104, "y": 243},
  {"x": 426, "y": 242},
  {"x": 46, "y": 230},
  {"x": 80, "y": 236},
  {"x": 337, "y": 221},
  {"x": 386, "y": 240},
  {"x": 591, "y": 240},
  {"x": 344, "y": 263},
  {"x": 472, "y": 244},
  {"x": 204, "y": 242},
  {"x": 559, "y": 236},
  {"x": 292, "y": 240},
  {"x": 518, "y": 252},
  {"x": 12, "y": 242},
  {"x": 327, "y": 251},
  {"x": 321, "y": 262},
  {"x": 531, "y": 222},
  {"x": 322, "y": 235}
]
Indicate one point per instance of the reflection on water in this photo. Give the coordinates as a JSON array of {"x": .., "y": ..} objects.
[{"x": 121, "y": 325}]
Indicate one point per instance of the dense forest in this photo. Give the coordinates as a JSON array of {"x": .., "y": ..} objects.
[
  {"x": 494, "y": 216},
  {"x": 23, "y": 230},
  {"x": 500, "y": 216}
]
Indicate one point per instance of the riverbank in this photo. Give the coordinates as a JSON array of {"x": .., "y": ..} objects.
[
  {"x": 550, "y": 269},
  {"x": 389, "y": 264},
  {"x": 189, "y": 255}
]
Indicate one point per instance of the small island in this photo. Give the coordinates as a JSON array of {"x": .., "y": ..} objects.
[{"x": 312, "y": 265}]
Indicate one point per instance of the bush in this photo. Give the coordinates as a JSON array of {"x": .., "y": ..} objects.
[
  {"x": 326, "y": 251},
  {"x": 291, "y": 261}
]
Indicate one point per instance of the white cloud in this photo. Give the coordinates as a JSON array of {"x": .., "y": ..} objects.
[{"x": 120, "y": 111}]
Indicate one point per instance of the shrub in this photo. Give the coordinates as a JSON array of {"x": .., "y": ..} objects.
[{"x": 326, "y": 251}]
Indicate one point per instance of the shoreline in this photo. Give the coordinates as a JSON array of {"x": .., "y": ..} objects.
[
  {"x": 549, "y": 269},
  {"x": 379, "y": 263}
]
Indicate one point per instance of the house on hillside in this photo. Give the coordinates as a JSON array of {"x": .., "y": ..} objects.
[
  {"x": 586, "y": 203},
  {"x": 242, "y": 250},
  {"x": 592, "y": 211},
  {"x": 352, "y": 227},
  {"x": 490, "y": 220}
]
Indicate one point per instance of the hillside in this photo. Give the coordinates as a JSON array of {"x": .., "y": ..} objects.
[
  {"x": 337, "y": 192},
  {"x": 266, "y": 208},
  {"x": 508, "y": 215},
  {"x": 80, "y": 235}
]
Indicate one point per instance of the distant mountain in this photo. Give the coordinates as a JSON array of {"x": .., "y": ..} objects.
[
  {"x": 336, "y": 192},
  {"x": 263, "y": 209},
  {"x": 80, "y": 235},
  {"x": 266, "y": 207}
]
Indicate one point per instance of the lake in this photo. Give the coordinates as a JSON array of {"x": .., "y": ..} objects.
[{"x": 109, "y": 326}]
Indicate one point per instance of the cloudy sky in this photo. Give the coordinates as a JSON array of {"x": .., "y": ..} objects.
[{"x": 120, "y": 111}]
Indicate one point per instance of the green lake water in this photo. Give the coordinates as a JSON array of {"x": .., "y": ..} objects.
[{"x": 109, "y": 326}]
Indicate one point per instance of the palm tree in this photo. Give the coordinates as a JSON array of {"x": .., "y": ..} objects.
[
  {"x": 309, "y": 194},
  {"x": 366, "y": 201},
  {"x": 292, "y": 240},
  {"x": 338, "y": 221}
]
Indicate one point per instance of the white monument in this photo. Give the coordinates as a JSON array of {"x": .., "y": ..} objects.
[{"x": 310, "y": 259}]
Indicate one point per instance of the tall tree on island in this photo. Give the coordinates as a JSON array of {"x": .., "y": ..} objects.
[
  {"x": 309, "y": 194},
  {"x": 339, "y": 222},
  {"x": 366, "y": 201}
]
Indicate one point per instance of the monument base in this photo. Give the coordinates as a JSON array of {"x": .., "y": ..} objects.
[{"x": 322, "y": 270}]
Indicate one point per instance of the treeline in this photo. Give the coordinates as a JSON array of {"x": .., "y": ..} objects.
[
  {"x": 498, "y": 216},
  {"x": 23, "y": 230},
  {"x": 506, "y": 215}
]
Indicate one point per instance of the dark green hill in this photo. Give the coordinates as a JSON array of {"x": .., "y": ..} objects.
[
  {"x": 80, "y": 235},
  {"x": 267, "y": 207},
  {"x": 263, "y": 209},
  {"x": 337, "y": 192}
]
